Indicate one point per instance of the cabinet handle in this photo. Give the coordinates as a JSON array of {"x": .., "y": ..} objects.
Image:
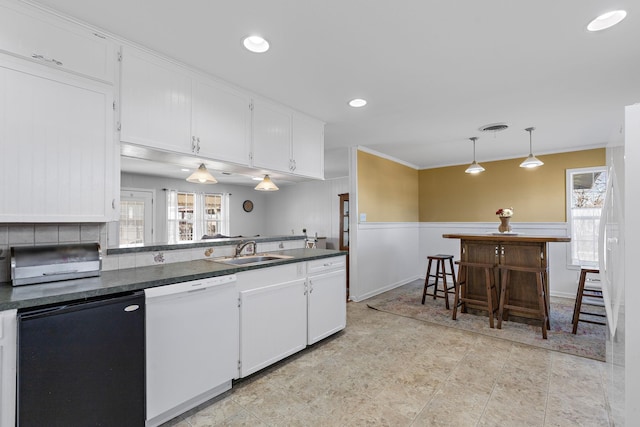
[
  {"x": 193, "y": 144},
  {"x": 113, "y": 203},
  {"x": 44, "y": 58},
  {"x": 198, "y": 146},
  {"x": 310, "y": 286},
  {"x": 496, "y": 251}
]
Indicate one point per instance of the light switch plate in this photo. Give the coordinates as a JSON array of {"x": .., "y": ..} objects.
[{"x": 363, "y": 217}]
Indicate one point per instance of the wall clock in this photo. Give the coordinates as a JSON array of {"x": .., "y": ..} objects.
[{"x": 247, "y": 205}]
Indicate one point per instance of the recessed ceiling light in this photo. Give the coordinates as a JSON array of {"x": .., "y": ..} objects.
[
  {"x": 184, "y": 170},
  {"x": 357, "y": 102},
  {"x": 606, "y": 20},
  {"x": 256, "y": 44},
  {"x": 256, "y": 178}
]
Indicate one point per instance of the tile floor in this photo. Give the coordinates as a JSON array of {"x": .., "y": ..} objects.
[{"x": 386, "y": 370}]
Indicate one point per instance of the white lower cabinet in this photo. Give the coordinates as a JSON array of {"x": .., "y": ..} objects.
[
  {"x": 272, "y": 316},
  {"x": 285, "y": 308},
  {"x": 327, "y": 307},
  {"x": 8, "y": 351}
]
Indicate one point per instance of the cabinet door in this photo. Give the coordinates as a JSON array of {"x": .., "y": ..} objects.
[
  {"x": 8, "y": 368},
  {"x": 40, "y": 36},
  {"x": 221, "y": 122},
  {"x": 327, "y": 307},
  {"x": 308, "y": 146},
  {"x": 273, "y": 324},
  {"x": 155, "y": 102},
  {"x": 271, "y": 137},
  {"x": 57, "y": 162}
]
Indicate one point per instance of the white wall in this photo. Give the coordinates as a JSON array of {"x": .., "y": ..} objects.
[
  {"x": 386, "y": 257},
  {"x": 313, "y": 205},
  {"x": 562, "y": 278}
]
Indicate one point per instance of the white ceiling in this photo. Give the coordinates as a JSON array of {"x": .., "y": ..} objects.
[{"x": 432, "y": 71}]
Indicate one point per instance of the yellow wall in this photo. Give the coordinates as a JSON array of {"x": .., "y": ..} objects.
[
  {"x": 387, "y": 191},
  {"x": 537, "y": 195}
]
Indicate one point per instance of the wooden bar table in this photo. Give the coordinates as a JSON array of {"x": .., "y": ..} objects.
[{"x": 507, "y": 249}]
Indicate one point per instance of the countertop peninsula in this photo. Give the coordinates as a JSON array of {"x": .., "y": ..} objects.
[
  {"x": 508, "y": 237},
  {"x": 132, "y": 279},
  {"x": 502, "y": 249}
]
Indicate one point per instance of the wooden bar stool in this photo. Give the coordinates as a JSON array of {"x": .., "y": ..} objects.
[
  {"x": 441, "y": 273},
  {"x": 542, "y": 311},
  {"x": 461, "y": 299},
  {"x": 589, "y": 293}
]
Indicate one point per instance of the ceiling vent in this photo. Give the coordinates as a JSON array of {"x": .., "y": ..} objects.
[{"x": 494, "y": 127}]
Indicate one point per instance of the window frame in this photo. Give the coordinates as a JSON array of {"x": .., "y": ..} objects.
[
  {"x": 199, "y": 218},
  {"x": 569, "y": 173}
]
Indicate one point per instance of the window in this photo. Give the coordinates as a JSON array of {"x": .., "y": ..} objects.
[
  {"x": 585, "y": 197},
  {"x": 190, "y": 216},
  {"x": 186, "y": 216}
]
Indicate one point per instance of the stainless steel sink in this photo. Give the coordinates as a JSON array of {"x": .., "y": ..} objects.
[{"x": 251, "y": 259}]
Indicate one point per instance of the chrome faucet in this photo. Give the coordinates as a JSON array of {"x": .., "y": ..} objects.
[{"x": 243, "y": 245}]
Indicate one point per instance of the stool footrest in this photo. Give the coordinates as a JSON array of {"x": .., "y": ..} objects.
[{"x": 589, "y": 294}]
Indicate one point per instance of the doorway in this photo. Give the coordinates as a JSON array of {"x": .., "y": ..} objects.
[
  {"x": 136, "y": 217},
  {"x": 344, "y": 230}
]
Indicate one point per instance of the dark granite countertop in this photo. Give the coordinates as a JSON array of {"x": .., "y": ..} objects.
[
  {"x": 199, "y": 244},
  {"x": 132, "y": 279}
]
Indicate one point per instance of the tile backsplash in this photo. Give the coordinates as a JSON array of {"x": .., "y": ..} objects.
[{"x": 45, "y": 234}]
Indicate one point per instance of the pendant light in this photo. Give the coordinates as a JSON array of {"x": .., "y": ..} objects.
[
  {"x": 475, "y": 166},
  {"x": 531, "y": 161},
  {"x": 202, "y": 176},
  {"x": 266, "y": 185}
]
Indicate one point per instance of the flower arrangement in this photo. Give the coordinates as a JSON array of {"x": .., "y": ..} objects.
[{"x": 505, "y": 212}]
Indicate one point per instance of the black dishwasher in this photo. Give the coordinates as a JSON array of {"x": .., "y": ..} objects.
[{"x": 82, "y": 364}]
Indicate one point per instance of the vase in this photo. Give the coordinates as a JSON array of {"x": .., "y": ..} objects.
[{"x": 504, "y": 224}]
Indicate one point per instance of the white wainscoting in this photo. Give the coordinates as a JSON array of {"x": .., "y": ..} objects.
[
  {"x": 386, "y": 257},
  {"x": 389, "y": 255},
  {"x": 562, "y": 278}
]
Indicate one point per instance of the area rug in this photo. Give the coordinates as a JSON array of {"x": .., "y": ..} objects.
[{"x": 588, "y": 342}]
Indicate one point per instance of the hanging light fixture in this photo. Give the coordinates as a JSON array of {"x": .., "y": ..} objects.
[
  {"x": 202, "y": 176},
  {"x": 266, "y": 185},
  {"x": 475, "y": 166},
  {"x": 531, "y": 161}
]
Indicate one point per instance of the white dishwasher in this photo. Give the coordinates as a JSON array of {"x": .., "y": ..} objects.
[{"x": 192, "y": 344}]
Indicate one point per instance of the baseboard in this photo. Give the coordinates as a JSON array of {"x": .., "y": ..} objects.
[{"x": 360, "y": 298}]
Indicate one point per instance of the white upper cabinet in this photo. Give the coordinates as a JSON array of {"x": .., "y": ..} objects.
[
  {"x": 221, "y": 122},
  {"x": 167, "y": 107},
  {"x": 287, "y": 141},
  {"x": 155, "y": 108},
  {"x": 58, "y": 159},
  {"x": 308, "y": 146},
  {"x": 271, "y": 137},
  {"x": 39, "y": 36}
]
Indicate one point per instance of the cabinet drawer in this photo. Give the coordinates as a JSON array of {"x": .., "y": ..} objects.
[
  {"x": 262, "y": 277},
  {"x": 326, "y": 264},
  {"x": 53, "y": 41}
]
